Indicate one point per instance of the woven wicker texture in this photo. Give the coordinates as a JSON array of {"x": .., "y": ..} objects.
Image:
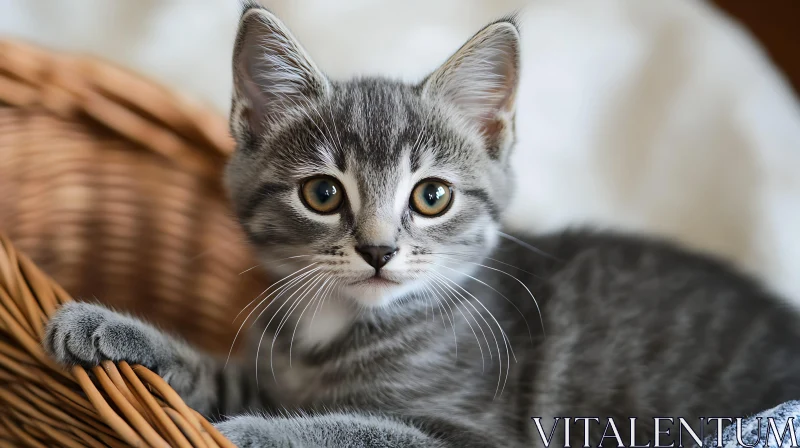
[{"x": 111, "y": 185}]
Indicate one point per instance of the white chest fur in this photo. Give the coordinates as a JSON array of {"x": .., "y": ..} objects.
[
  {"x": 296, "y": 383},
  {"x": 319, "y": 328}
]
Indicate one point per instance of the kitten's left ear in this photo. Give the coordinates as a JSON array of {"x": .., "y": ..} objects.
[
  {"x": 272, "y": 73},
  {"x": 480, "y": 80}
]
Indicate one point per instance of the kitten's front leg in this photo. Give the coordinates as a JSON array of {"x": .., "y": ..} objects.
[
  {"x": 349, "y": 430},
  {"x": 85, "y": 334}
]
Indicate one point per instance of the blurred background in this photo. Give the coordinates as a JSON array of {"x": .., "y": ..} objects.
[{"x": 674, "y": 117}]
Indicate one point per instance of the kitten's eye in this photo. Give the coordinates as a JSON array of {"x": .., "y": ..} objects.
[
  {"x": 322, "y": 194},
  {"x": 431, "y": 197}
]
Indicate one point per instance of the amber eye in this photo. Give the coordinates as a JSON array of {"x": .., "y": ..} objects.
[
  {"x": 431, "y": 197},
  {"x": 322, "y": 194}
]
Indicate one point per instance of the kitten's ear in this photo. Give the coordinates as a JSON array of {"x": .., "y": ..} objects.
[
  {"x": 272, "y": 73},
  {"x": 480, "y": 79}
]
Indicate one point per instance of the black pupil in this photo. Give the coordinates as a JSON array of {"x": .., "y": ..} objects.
[
  {"x": 432, "y": 193},
  {"x": 325, "y": 191}
]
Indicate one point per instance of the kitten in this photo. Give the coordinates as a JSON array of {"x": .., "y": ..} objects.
[{"x": 403, "y": 316}]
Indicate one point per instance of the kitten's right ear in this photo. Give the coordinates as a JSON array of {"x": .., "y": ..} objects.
[
  {"x": 480, "y": 80},
  {"x": 272, "y": 73}
]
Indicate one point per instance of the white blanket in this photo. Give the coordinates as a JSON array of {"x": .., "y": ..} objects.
[{"x": 659, "y": 116}]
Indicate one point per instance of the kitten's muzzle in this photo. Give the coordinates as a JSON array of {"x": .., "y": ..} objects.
[{"x": 377, "y": 256}]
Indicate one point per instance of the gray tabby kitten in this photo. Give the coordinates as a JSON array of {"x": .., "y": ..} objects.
[{"x": 404, "y": 317}]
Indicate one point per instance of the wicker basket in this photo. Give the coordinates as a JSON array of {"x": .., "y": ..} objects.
[{"x": 111, "y": 185}]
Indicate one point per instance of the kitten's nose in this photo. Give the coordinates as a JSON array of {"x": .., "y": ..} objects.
[{"x": 376, "y": 256}]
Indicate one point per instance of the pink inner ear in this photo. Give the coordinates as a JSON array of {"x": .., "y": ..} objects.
[
  {"x": 496, "y": 124},
  {"x": 481, "y": 79},
  {"x": 504, "y": 95},
  {"x": 494, "y": 133}
]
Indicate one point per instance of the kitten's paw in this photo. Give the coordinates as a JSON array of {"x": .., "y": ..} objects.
[
  {"x": 85, "y": 334},
  {"x": 251, "y": 432}
]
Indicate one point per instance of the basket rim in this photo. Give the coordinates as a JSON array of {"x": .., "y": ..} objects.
[{"x": 168, "y": 123}]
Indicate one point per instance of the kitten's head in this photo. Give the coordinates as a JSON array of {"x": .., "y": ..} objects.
[{"x": 374, "y": 186}]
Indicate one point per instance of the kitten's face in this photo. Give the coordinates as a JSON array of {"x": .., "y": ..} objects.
[{"x": 373, "y": 187}]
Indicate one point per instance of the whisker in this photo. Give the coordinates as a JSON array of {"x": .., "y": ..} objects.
[
  {"x": 506, "y": 340},
  {"x": 528, "y": 246},
  {"x": 450, "y": 317},
  {"x": 233, "y": 343},
  {"x": 283, "y": 290},
  {"x": 297, "y": 301},
  {"x": 442, "y": 312},
  {"x": 279, "y": 260},
  {"x": 295, "y": 305},
  {"x": 524, "y": 318},
  {"x": 280, "y": 291},
  {"x": 442, "y": 279},
  {"x": 535, "y": 302},
  {"x": 429, "y": 300},
  {"x": 321, "y": 303},
  {"x": 249, "y": 269},
  {"x": 453, "y": 327},
  {"x": 450, "y": 292},
  {"x": 266, "y": 327},
  {"x": 297, "y": 324},
  {"x": 427, "y": 306},
  {"x": 513, "y": 266},
  {"x": 480, "y": 348},
  {"x": 269, "y": 287}
]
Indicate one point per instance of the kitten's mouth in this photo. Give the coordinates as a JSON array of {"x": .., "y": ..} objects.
[{"x": 375, "y": 280}]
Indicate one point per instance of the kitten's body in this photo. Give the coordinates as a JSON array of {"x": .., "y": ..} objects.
[
  {"x": 399, "y": 326},
  {"x": 695, "y": 340}
]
